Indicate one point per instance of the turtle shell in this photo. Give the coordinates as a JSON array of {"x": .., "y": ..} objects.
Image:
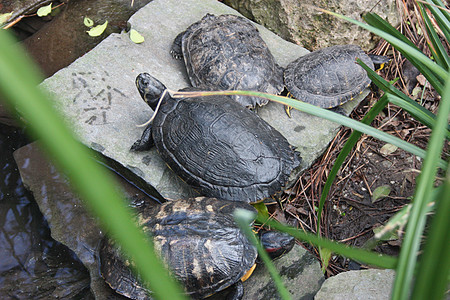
[
  {"x": 226, "y": 52},
  {"x": 222, "y": 149},
  {"x": 196, "y": 238},
  {"x": 328, "y": 77}
]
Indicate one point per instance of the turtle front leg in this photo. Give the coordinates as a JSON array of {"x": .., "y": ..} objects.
[
  {"x": 176, "y": 50},
  {"x": 145, "y": 142},
  {"x": 236, "y": 291}
]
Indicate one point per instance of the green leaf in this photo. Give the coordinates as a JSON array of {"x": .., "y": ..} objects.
[
  {"x": 388, "y": 149},
  {"x": 5, "y": 17},
  {"x": 97, "y": 30},
  {"x": 325, "y": 255},
  {"x": 404, "y": 280},
  {"x": 390, "y": 236},
  {"x": 364, "y": 256},
  {"x": 44, "y": 10},
  {"x": 381, "y": 192},
  {"x": 136, "y": 37},
  {"x": 351, "y": 142},
  {"x": 243, "y": 218},
  {"x": 261, "y": 208},
  {"x": 88, "y": 22}
]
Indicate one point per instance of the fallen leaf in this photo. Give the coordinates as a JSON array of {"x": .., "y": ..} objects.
[
  {"x": 97, "y": 30},
  {"x": 381, "y": 192},
  {"x": 5, "y": 17},
  {"x": 136, "y": 37},
  {"x": 44, "y": 10},
  {"x": 88, "y": 22},
  {"x": 388, "y": 149}
]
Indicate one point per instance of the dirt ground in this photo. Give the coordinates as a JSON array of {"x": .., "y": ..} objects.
[{"x": 351, "y": 212}]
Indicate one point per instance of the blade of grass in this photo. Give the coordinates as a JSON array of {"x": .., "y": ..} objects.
[
  {"x": 375, "y": 21},
  {"x": 351, "y": 142},
  {"x": 18, "y": 80},
  {"x": 400, "y": 45},
  {"x": 434, "y": 267},
  {"x": 417, "y": 111},
  {"x": 439, "y": 53},
  {"x": 441, "y": 16},
  {"x": 363, "y": 256},
  {"x": 416, "y": 223},
  {"x": 244, "y": 218},
  {"x": 322, "y": 113}
]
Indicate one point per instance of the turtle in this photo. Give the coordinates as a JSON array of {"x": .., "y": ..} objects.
[
  {"x": 329, "y": 77},
  {"x": 226, "y": 52},
  {"x": 217, "y": 146},
  {"x": 199, "y": 242}
]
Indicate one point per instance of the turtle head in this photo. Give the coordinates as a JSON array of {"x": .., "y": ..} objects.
[
  {"x": 150, "y": 89},
  {"x": 276, "y": 243}
]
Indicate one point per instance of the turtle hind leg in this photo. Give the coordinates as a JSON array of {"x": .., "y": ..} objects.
[
  {"x": 145, "y": 142},
  {"x": 236, "y": 291},
  {"x": 176, "y": 50}
]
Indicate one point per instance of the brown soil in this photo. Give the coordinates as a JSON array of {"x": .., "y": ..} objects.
[{"x": 350, "y": 214}]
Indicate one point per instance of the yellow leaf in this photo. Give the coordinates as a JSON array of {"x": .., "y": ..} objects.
[
  {"x": 136, "y": 37},
  {"x": 5, "y": 17},
  {"x": 44, "y": 10},
  {"x": 88, "y": 22},
  {"x": 97, "y": 30}
]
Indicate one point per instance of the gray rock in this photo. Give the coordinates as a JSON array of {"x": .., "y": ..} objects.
[
  {"x": 372, "y": 284},
  {"x": 299, "y": 270},
  {"x": 299, "y": 22},
  {"x": 99, "y": 100},
  {"x": 64, "y": 212}
]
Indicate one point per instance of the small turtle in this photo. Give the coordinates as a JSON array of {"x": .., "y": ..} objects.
[
  {"x": 216, "y": 145},
  {"x": 200, "y": 243},
  {"x": 226, "y": 52},
  {"x": 329, "y": 77}
]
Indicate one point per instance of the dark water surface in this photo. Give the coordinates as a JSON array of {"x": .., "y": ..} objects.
[{"x": 32, "y": 264}]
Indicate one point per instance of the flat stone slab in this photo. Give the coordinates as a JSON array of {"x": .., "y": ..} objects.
[
  {"x": 372, "y": 284},
  {"x": 98, "y": 98},
  {"x": 64, "y": 211}
]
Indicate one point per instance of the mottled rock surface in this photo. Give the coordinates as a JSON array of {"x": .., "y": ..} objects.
[
  {"x": 97, "y": 95},
  {"x": 299, "y": 22},
  {"x": 372, "y": 284}
]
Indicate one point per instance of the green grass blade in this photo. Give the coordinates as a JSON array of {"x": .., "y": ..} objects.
[
  {"x": 351, "y": 142},
  {"x": 18, "y": 80},
  {"x": 434, "y": 267},
  {"x": 244, "y": 218},
  {"x": 417, "y": 219},
  {"x": 400, "y": 45},
  {"x": 417, "y": 111},
  {"x": 442, "y": 17},
  {"x": 325, "y": 114},
  {"x": 378, "y": 23},
  {"x": 360, "y": 255},
  {"x": 439, "y": 53}
]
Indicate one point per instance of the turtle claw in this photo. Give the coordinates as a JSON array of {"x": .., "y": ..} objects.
[{"x": 287, "y": 110}]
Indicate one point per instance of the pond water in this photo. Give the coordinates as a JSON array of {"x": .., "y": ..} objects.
[{"x": 33, "y": 265}]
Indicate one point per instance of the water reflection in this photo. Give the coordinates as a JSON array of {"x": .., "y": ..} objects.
[{"x": 33, "y": 265}]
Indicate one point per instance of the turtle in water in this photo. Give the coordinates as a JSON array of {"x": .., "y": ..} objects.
[
  {"x": 199, "y": 242},
  {"x": 226, "y": 52},
  {"x": 331, "y": 76},
  {"x": 216, "y": 145}
]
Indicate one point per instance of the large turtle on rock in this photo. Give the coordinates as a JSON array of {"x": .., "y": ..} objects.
[
  {"x": 226, "y": 52},
  {"x": 200, "y": 243},
  {"x": 216, "y": 145}
]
